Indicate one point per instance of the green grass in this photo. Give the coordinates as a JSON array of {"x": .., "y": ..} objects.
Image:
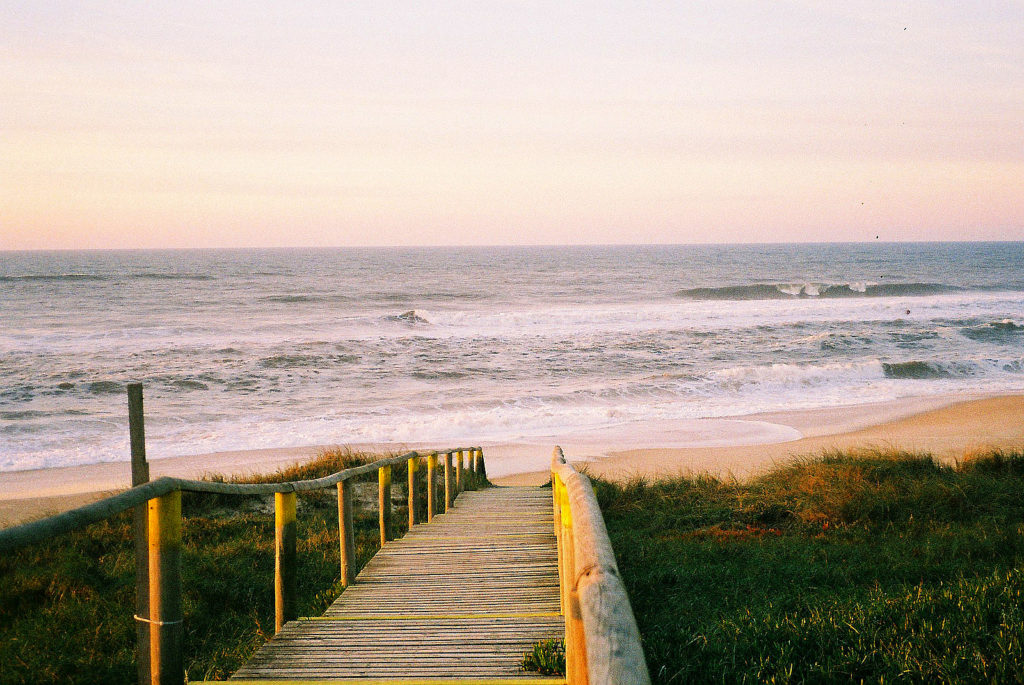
[
  {"x": 869, "y": 567},
  {"x": 866, "y": 567},
  {"x": 547, "y": 657},
  {"x": 66, "y": 606}
]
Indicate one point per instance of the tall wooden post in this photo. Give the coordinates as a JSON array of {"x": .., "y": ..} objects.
[
  {"x": 413, "y": 464},
  {"x": 575, "y": 644},
  {"x": 449, "y": 496},
  {"x": 460, "y": 475},
  {"x": 384, "y": 502},
  {"x": 284, "y": 560},
  {"x": 481, "y": 468},
  {"x": 431, "y": 485},
  {"x": 165, "y": 629},
  {"x": 140, "y": 527},
  {"x": 556, "y": 497},
  {"x": 346, "y": 534}
]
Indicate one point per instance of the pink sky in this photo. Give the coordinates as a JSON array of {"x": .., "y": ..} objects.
[{"x": 413, "y": 123}]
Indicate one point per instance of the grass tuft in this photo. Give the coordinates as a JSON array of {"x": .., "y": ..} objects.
[
  {"x": 547, "y": 657},
  {"x": 1003, "y": 462}
]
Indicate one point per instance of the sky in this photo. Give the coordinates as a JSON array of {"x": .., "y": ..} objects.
[{"x": 227, "y": 124}]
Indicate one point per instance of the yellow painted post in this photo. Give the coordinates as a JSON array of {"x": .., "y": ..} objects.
[
  {"x": 414, "y": 463},
  {"x": 384, "y": 502},
  {"x": 165, "y": 616},
  {"x": 555, "y": 505},
  {"x": 284, "y": 559},
  {"x": 575, "y": 646},
  {"x": 460, "y": 475},
  {"x": 568, "y": 552},
  {"x": 556, "y": 497},
  {"x": 449, "y": 496},
  {"x": 431, "y": 485},
  {"x": 346, "y": 534}
]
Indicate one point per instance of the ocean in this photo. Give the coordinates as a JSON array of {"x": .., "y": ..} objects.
[{"x": 243, "y": 349}]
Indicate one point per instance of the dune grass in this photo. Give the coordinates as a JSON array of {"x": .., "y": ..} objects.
[
  {"x": 875, "y": 566},
  {"x": 66, "y": 606},
  {"x": 859, "y": 567}
]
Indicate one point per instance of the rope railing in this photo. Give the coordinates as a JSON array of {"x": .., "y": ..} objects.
[
  {"x": 602, "y": 642},
  {"x": 162, "y": 500}
]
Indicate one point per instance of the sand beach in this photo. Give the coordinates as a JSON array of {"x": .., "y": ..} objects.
[{"x": 949, "y": 427}]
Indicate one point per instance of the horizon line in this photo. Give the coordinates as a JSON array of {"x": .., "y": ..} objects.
[{"x": 501, "y": 245}]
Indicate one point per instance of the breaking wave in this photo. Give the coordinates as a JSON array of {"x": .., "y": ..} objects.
[
  {"x": 995, "y": 331},
  {"x": 410, "y": 317},
  {"x": 314, "y": 361},
  {"x": 932, "y": 370},
  {"x": 105, "y": 387},
  {"x": 299, "y": 299},
  {"x": 782, "y": 291}
]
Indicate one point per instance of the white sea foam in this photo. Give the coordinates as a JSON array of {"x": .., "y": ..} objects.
[{"x": 287, "y": 349}]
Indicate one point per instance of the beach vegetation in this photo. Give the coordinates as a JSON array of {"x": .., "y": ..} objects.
[
  {"x": 66, "y": 606},
  {"x": 857, "y": 566},
  {"x": 546, "y": 657},
  {"x": 862, "y": 566}
]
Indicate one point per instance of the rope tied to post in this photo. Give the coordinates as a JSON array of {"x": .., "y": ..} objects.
[{"x": 157, "y": 623}]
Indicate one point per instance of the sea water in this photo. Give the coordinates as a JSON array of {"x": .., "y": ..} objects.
[{"x": 244, "y": 349}]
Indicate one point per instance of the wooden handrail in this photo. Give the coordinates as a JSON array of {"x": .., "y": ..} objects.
[
  {"x": 25, "y": 534},
  {"x": 602, "y": 642},
  {"x": 162, "y": 497}
]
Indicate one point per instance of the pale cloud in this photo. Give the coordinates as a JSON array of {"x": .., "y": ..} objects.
[{"x": 462, "y": 123}]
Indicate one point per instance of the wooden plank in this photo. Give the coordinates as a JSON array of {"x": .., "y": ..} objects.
[{"x": 463, "y": 598}]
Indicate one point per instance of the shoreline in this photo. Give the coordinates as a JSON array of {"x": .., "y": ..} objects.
[
  {"x": 947, "y": 431},
  {"x": 947, "y": 426}
]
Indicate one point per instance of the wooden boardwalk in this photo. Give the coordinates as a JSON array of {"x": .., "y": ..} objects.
[{"x": 459, "y": 599}]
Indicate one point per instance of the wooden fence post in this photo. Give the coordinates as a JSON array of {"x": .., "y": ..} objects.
[
  {"x": 165, "y": 628},
  {"x": 140, "y": 528},
  {"x": 474, "y": 464},
  {"x": 449, "y": 496},
  {"x": 346, "y": 534},
  {"x": 556, "y": 497},
  {"x": 384, "y": 502},
  {"x": 284, "y": 559},
  {"x": 431, "y": 485},
  {"x": 460, "y": 475},
  {"x": 413, "y": 464},
  {"x": 575, "y": 644},
  {"x": 481, "y": 470}
]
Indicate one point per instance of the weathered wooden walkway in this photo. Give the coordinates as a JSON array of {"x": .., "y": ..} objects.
[{"x": 459, "y": 599}]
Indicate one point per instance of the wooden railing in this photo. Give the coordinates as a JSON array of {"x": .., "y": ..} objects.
[
  {"x": 602, "y": 643},
  {"x": 162, "y": 499}
]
